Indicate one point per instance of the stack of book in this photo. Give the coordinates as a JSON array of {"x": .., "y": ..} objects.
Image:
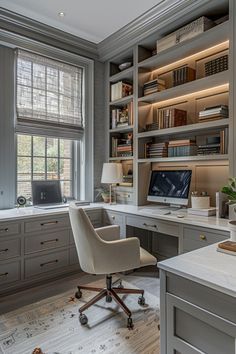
[
  {"x": 153, "y": 86},
  {"x": 152, "y": 126},
  {"x": 153, "y": 150},
  {"x": 171, "y": 117},
  {"x": 185, "y": 147},
  {"x": 216, "y": 65},
  {"x": 122, "y": 146},
  {"x": 213, "y": 113},
  {"x": 127, "y": 181},
  {"x": 227, "y": 247},
  {"x": 212, "y": 146},
  {"x": 121, "y": 89},
  {"x": 183, "y": 74},
  {"x": 121, "y": 117}
]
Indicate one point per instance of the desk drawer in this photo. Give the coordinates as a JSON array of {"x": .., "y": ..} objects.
[
  {"x": 113, "y": 218},
  {"x": 7, "y": 229},
  {"x": 9, "y": 248},
  {"x": 9, "y": 272},
  {"x": 153, "y": 225},
  {"x": 49, "y": 262},
  {"x": 46, "y": 241},
  {"x": 54, "y": 223},
  {"x": 195, "y": 238}
]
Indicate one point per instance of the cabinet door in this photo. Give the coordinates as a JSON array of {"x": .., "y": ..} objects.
[{"x": 194, "y": 330}]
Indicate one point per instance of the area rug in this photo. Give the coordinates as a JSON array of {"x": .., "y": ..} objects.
[{"x": 52, "y": 324}]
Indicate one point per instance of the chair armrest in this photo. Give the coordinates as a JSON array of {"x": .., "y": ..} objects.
[
  {"x": 118, "y": 256},
  {"x": 109, "y": 233}
]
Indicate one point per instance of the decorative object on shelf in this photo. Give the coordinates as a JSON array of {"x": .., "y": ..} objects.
[
  {"x": 153, "y": 86},
  {"x": 188, "y": 31},
  {"x": 230, "y": 191},
  {"x": 201, "y": 201},
  {"x": 112, "y": 173},
  {"x": 121, "y": 89},
  {"x": 213, "y": 113},
  {"x": 125, "y": 65},
  {"x": 183, "y": 75},
  {"x": 121, "y": 117},
  {"x": 228, "y": 247},
  {"x": 21, "y": 201},
  {"x": 217, "y": 65}
]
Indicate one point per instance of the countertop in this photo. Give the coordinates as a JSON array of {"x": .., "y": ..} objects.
[
  {"x": 148, "y": 211},
  {"x": 205, "y": 266}
]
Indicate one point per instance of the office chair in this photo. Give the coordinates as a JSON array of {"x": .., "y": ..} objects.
[{"x": 101, "y": 251}]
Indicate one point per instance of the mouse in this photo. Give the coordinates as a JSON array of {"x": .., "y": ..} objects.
[{"x": 180, "y": 216}]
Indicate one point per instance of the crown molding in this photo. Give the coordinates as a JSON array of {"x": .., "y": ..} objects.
[
  {"x": 24, "y": 26},
  {"x": 157, "y": 18}
]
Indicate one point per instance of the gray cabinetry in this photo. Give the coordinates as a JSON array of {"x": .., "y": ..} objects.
[
  {"x": 9, "y": 247},
  {"x": 115, "y": 218}
]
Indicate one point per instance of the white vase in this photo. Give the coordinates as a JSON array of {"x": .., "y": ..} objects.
[
  {"x": 232, "y": 227},
  {"x": 232, "y": 212}
]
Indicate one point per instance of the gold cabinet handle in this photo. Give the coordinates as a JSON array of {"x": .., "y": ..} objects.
[
  {"x": 49, "y": 241},
  {"x": 4, "y": 251},
  {"x": 202, "y": 237},
  {"x": 4, "y": 230},
  {"x": 149, "y": 225},
  {"x": 50, "y": 262},
  {"x": 4, "y": 274},
  {"x": 49, "y": 223}
]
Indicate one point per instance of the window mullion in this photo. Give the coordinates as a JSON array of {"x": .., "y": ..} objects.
[{"x": 45, "y": 159}]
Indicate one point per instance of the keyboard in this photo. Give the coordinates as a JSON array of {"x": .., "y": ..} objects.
[{"x": 51, "y": 206}]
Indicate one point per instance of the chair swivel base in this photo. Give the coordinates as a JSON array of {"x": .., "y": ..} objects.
[{"x": 110, "y": 292}]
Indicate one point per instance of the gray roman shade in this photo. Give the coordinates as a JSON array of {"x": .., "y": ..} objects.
[{"x": 49, "y": 96}]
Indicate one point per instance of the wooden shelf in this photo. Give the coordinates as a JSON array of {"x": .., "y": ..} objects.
[
  {"x": 210, "y": 38},
  {"x": 125, "y": 74},
  {"x": 190, "y": 88},
  {"x": 122, "y": 101},
  {"x": 121, "y": 129},
  {"x": 120, "y": 158},
  {"x": 221, "y": 123},
  {"x": 186, "y": 158}
]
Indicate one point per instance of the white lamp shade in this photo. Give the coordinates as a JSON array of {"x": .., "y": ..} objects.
[{"x": 112, "y": 173}]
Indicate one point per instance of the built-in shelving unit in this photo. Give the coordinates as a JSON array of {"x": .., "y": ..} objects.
[{"x": 204, "y": 91}]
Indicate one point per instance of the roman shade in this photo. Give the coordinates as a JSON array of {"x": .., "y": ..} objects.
[{"x": 49, "y": 96}]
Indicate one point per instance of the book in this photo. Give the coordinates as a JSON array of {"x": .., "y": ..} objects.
[
  {"x": 202, "y": 212},
  {"x": 121, "y": 89},
  {"x": 183, "y": 75},
  {"x": 227, "y": 247}
]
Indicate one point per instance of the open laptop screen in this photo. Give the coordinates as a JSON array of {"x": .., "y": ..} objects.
[{"x": 46, "y": 192}]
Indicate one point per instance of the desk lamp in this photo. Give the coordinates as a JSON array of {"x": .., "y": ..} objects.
[{"x": 112, "y": 173}]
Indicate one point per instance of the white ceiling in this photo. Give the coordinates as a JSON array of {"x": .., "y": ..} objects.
[{"x": 93, "y": 20}]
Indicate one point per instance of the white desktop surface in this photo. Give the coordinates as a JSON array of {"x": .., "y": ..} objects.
[
  {"x": 210, "y": 222},
  {"x": 207, "y": 267}
]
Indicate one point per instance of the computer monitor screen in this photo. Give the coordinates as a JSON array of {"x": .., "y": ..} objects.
[
  {"x": 46, "y": 192},
  {"x": 170, "y": 186}
]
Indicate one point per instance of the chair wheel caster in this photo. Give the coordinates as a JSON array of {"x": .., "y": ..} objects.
[
  {"x": 78, "y": 294},
  {"x": 108, "y": 298},
  {"x": 141, "y": 300},
  {"x": 130, "y": 323},
  {"x": 83, "y": 319}
]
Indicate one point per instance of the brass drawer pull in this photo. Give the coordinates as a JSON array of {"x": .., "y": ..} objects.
[
  {"x": 202, "y": 237},
  {"x": 3, "y": 251},
  {"x": 50, "y": 262},
  {"x": 149, "y": 225},
  {"x": 4, "y": 230},
  {"x": 49, "y": 223},
  {"x": 4, "y": 274},
  {"x": 49, "y": 241},
  {"x": 113, "y": 217}
]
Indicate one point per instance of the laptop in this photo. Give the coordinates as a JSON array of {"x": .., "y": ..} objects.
[{"x": 47, "y": 195}]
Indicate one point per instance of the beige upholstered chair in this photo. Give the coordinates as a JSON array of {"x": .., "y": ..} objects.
[{"x": 101, "y": 251}]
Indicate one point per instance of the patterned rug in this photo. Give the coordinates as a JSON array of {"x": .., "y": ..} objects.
[{"x": 52, "y": 324}]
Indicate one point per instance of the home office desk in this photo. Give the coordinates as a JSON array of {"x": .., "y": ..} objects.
[{"x": 37, "y": 245}]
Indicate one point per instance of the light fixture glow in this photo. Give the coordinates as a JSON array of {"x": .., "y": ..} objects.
[{"x": 61, "y": 14}]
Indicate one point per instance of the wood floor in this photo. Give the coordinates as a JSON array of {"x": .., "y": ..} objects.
[{"x": 145, "y": 278}]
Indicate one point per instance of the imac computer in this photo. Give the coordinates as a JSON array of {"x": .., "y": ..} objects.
[{"x": 170, "y": 187}]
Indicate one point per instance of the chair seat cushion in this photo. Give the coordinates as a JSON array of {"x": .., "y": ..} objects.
[{"x": 146, "y": 258}]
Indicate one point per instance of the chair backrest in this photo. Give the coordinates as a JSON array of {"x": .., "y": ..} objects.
[{"x": 87, "y": 241}]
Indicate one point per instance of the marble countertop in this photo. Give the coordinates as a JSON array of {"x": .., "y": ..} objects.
[
  {"x": 147, "y": 211},
  {"x": 205, "y": 266}
]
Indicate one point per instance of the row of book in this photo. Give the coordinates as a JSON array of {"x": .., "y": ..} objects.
[
  {"x": 121, "y": 117},
  {"x": 188, "y": 147},
  {"x": 122, "y": 146},
  {"x": 153, "y": 86},
  {"x": 171, "y": 117},
  {"x": 213, "y": 113},
  {"x": 121, "y": 89},
  {"x": 216, "y": 65},
  {"x": 183, "y": 74}
]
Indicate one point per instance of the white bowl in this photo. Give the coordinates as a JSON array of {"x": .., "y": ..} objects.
[{"x": 124, "y": 66}]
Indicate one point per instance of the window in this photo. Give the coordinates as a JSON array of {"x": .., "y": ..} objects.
[{"x": 44, "y": 158}]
